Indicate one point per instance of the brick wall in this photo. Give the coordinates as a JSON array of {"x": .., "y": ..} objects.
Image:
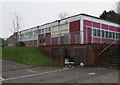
[{"x": 91, "y": 56}]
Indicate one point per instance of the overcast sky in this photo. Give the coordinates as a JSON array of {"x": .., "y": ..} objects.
[{"x": 37, "y": 13}]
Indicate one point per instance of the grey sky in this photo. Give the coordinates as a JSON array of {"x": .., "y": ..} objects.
[{"x": 37, "y": 13}]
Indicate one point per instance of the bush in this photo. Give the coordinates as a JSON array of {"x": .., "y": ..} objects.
[{"x": 21, "y": 44}]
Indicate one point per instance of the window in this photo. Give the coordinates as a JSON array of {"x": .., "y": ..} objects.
[
  {"x": 94, "y": 32},
  {"x": 110, "y": 34},
  {"x": 98, "y": 33},
  {"x": 49, "y": 29},
  {"x": 117, "y": 36},
  {"x": 42, "y": 40},
  {"x": 35, "y": 32},
  {"x": 46, "y": 30},
  {"x": 113, "y": 35},
  {"x": 42, "y": 30},
  {"x": 103, "y": 33},
  {"x": 39, "y": 31},
  {"x": 26, "y": 34},
  {"x": 106, "y": 34},
  {"x": 21, "y": 35},
  {"x": 30, "y": 33}
]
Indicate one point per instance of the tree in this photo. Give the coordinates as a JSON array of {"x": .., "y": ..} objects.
[
  {"x": 16, "y": 22},
  {"x": 118, "y": 7},
  {"x": 111, "y": 16},
  {"x": 63, "y": 15},
  {"x": 118, "y": 10}
]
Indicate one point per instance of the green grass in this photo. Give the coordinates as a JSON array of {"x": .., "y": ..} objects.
[
  {"x": 0, "y": 52},
  {"x": 27, "y": 55}
]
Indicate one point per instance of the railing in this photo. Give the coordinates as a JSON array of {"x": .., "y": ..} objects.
[
  {"x": 80, "y": 37},
  {"x": 108, "y": 47}
]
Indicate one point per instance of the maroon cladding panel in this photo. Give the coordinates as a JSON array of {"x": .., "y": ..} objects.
[
  {"x": 88, "y": 31},
  {"x": 89, "y": 35},
  {"x": 75, "y": 26},
  {"x": 97, "y": 25},
  {"x": 54, "y": 41},
  {"x": 40, "y": 36},
  {"x": 48, "y": 39},
  {"x": 104, "y": 26},
  {"x": 74, "y": 29},
  {"x": 87, "y": 23},
  {"x": 31, "y": 43},
  {"x": 111, "y": 28}
]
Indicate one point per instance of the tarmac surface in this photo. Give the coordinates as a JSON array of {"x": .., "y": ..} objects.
[{"x": 51, "y": 74}]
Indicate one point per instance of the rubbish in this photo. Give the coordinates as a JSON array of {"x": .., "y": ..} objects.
[
  {"x": 69, "y": 63},
  {"x": 82, "y": 64},
  {"x": 91, "y": 74}
]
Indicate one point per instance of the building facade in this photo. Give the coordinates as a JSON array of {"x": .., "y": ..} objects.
[{"x": 78, "y": 29}]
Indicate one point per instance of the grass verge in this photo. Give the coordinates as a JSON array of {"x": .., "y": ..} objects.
[{"x": 26, "y": 55}]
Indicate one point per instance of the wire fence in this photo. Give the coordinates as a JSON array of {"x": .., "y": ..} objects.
[{"x": 80, "y": 37}]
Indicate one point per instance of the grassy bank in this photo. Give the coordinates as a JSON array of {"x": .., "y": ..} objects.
[{"x": 26, "y": 55}]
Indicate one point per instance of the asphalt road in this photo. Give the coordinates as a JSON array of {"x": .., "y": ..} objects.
[
  {"x": 60, "y": 75},
  {"x": 50, "y": 74}
]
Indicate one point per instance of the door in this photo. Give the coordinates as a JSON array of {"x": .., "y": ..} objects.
[{"x": 80, "y": 55}]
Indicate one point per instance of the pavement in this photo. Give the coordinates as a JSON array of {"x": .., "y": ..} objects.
[
  {"x": 10, "y": 65},
  {"x": 51, "y": 74}
]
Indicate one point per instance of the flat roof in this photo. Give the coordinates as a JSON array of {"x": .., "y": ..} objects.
[{"x": 71, "y": 17}]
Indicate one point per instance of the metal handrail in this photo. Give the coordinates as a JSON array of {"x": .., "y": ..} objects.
[{"x": 107, "y": 47}]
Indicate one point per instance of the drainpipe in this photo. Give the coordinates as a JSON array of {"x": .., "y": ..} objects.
[{"x": 59, "y": 32}]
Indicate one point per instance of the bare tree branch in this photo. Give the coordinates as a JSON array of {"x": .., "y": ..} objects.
[
  {"x": 63, "y": 15},
  {"x": 16, "y": 22}
]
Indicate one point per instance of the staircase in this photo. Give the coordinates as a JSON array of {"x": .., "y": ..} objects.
[{"x": 113, "y": 60}]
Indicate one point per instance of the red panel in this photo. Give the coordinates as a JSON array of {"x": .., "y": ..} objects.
[
  {"x": 104, "y": 26},
  {"x": 89, "y": 33},
  {"x": 48, "y": 39},
  {"x": 87, "y": 23},
  {"x": 111, "y": 28},
  {"x": 97, "y": 25},
  {"x": 40, "y": 36},
  {"x": 96, "y": 40},
  {"x": 118, "y": 29},
  {"x": 55, "y": 41},
  {"x": 75, "y": 26},
  {"x": 31, "y": 43},
  {"x": 74, "y": 30}
]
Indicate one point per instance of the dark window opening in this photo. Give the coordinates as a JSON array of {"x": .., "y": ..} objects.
[
  {"x": 98, "y": 33},
  {"x": 113, "y": 35},
  {"x": 42, "y": 40},
  {"x": 106, "y": 34},
  {"x": 103, "y": 33},
  {"x": 94, "y": 32},
  {"x": 110, "y": 34},
  {"x": 116, "y": 35}
]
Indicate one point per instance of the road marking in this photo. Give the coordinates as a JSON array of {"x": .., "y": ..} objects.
[
  {"x": 36, "y": 74},
  {"x": 32, "y": 71}
]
